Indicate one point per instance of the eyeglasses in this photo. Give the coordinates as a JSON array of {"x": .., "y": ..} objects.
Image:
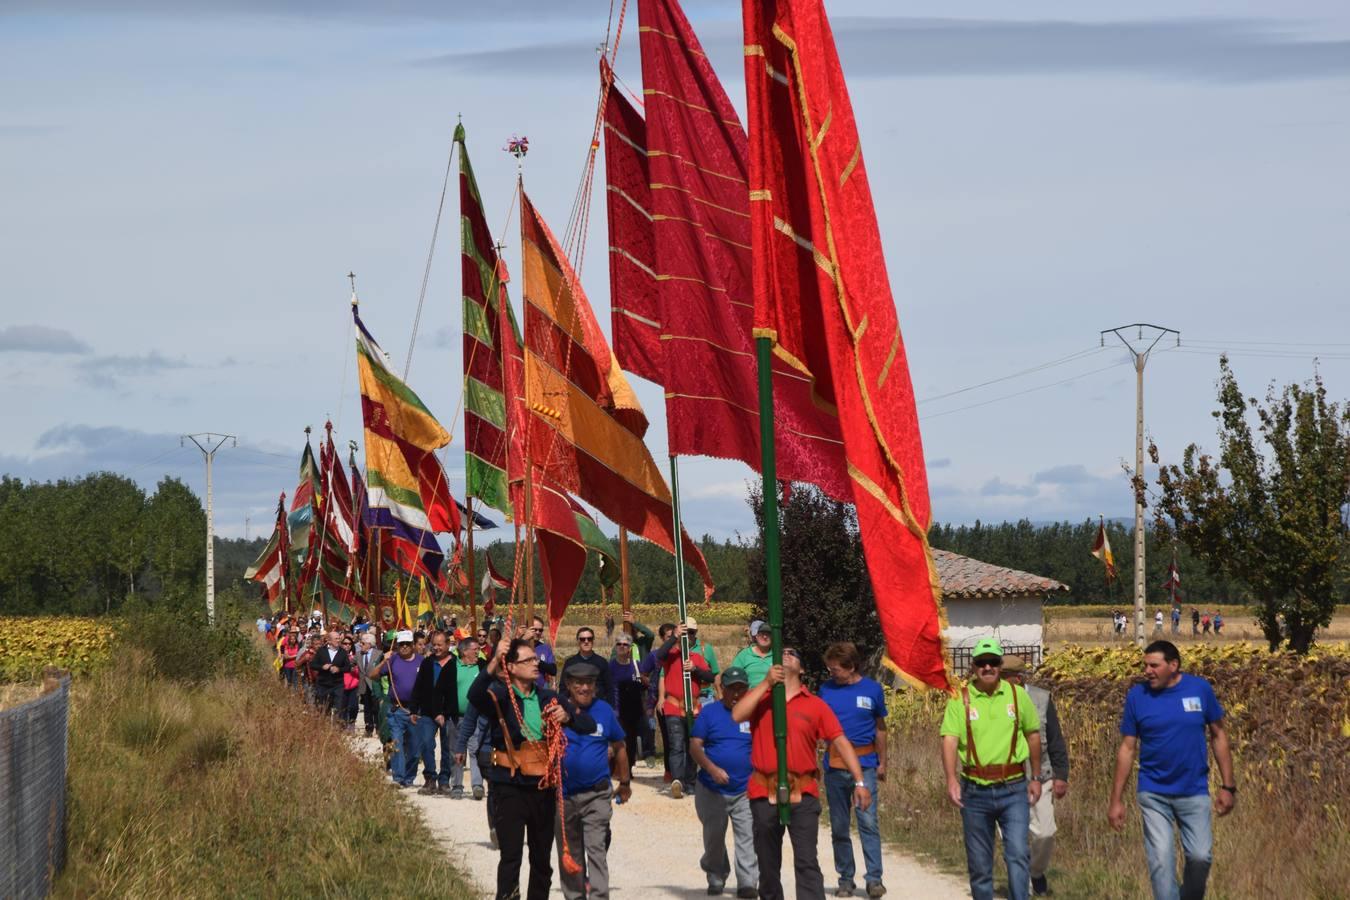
[
  {"x": 528, "y": 659},
  {"x": 586, "y": 640}
]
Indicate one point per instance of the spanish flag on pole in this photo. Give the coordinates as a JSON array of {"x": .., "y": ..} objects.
[{"x": 1101, "y": 548}]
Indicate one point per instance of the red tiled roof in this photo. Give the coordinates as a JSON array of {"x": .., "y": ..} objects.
[{"x": 964, "y": 578}]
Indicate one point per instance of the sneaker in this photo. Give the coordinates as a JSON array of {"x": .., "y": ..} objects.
[
  {"x": 747, "y": 892},
  {"x": 1040, "y": 887},
  {"x": 845, "y": 888},
  {"x": 492, "y": 838},
  {"x": 875, "y": 889},
  {"x": 457, "y": 792},
  {"x": 478, "y": 792},
  {"x": 714, "y": 889},
  {"x": 676, "y": 789},
  {"x": 651, "y": 762}
]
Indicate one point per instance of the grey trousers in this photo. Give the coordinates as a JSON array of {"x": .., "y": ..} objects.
[
  {"x": 1043, "y": 831},
  {"x": 586, "y": 822},
  {"x": 714, "y": 811}
]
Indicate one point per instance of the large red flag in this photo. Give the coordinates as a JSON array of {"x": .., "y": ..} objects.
[
  {"x": 822, "y": 295},
  {"x": 698, "y": 222}
]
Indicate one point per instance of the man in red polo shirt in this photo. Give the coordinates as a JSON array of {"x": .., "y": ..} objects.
[{"x": 808, "y": 720}]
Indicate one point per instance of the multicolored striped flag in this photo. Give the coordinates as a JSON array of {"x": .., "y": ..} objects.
[
  {"x": 300, "y": 519},
  {"x": 585, "y": 422},
  {"x": 1101, "y": 548},
  {"x": 272, "y": 567},
  {"x": 694, "y": 219},
  {"x": 407, "y": 492},
  {"x": 822, "y": 296},
  {"x": 490, "y": 334},
  {"x": 335, "y": 540}
]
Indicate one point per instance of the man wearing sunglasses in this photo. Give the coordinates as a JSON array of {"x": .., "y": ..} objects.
[
  {"x": 516, "y": 710},
  {"x": 587, "y": 656},
  {"x": 993, "y": 729}
]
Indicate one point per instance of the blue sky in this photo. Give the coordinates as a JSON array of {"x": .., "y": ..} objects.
[{"x": 186, "y": 185}]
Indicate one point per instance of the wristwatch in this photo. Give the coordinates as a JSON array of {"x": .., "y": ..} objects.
[
  {"x": 1232, "y": 789},
  {"x": 860, "y": 784}
]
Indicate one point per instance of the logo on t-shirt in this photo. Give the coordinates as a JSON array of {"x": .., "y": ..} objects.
[
  {"x": 600, "y": 729},
  {"x": 1012, "y": 712},
  {"x": 974, "y": 715},
  {"x": 745, "y": 727},
  {"x": 864, "y": 703},
  {"x": 1191, "y": 704}
]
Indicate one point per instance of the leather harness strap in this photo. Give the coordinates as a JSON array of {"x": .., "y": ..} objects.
[{"x": 1007, "y": 771}]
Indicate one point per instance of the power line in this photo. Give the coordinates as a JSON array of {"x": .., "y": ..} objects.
[
  {"x": 1039, "y": 387},
  {"x": 1090, "y": 351}
]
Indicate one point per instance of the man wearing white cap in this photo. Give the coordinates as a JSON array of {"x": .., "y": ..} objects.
[
  {"x": 756, "y": 659},
  {"x": 402, "y": 666}
]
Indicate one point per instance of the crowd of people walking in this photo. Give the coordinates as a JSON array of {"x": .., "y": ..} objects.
[{"x": 550, "y": 746}]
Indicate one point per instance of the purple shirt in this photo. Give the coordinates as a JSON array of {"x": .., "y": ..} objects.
[
  {"x": 545, "y": 654},
  {"x": 403, "y": 674}
]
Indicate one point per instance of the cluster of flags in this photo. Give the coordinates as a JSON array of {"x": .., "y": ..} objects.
[{"x": 719, "y": 237}]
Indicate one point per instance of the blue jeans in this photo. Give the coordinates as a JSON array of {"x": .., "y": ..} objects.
[
  {"x": 839, "y": 793},
  {"x": 1006, "y": 806},
  {"x": 428, "y": 735},
  {"x": 1191, "y": 815},
  {"x": 403, "y": 764},
  {"x": 471, "y": 756},
  {"x": 677, "y": 745}
]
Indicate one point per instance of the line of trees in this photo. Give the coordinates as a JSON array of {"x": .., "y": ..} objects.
[{"x": 84, "y": 545}]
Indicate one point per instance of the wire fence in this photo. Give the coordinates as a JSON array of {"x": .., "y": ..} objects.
[
  {"x": 1030, "y": 653},
  {"x": 33, "y": 746}
]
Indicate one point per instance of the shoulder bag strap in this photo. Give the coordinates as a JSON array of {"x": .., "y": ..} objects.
[
  {"x": 506, "y": 732},
  {"x": 1017, "y": 725}
]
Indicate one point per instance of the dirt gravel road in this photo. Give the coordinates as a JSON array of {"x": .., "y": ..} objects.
[{"x": 656, "y": 848}]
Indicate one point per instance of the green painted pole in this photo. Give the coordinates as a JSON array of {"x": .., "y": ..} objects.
[
  {"x": 774, "y": 574},
  {"x": 680, "y": 599}
]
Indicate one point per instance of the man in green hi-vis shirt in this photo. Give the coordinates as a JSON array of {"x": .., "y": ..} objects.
[{"x": 990, "y": 741}]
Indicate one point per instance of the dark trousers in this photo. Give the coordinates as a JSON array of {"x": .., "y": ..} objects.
[
  {"x": 802, "y": 829},
  {"x": 521, "y": 814},
  {"x": 349, "y": 706},
  {"x": 370, "y": 711},
  {"x": 328, "y": 698},
  {"x": 632, "y": 716},
  {"x": 665, "y": 742}
]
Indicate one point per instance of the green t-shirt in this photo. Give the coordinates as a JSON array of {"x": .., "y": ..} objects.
[
  {"x": 704, "y": 649},
  {"x": 992, "y": 724},
  {"x": 533, "y": 725},
  {"x": 464, "y": 678},
  {"x": 755, "y": 666}
]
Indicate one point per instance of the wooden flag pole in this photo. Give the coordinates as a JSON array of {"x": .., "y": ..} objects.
[
  {"x": 473, "y": 600},
  {"x": 623, "y": 580},
  {"x": 773, "y": 568},
  {"x": 680, "y": 600}
]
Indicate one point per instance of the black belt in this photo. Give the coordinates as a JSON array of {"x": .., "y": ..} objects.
[{"x": 994, "y": 784}]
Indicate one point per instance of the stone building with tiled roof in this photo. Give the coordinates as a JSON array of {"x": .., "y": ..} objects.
[{"x": 984, "y": 599}]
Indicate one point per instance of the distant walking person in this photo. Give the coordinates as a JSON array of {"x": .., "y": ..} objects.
[
  {"x": 1158, "y": 622},
  {"x": 992, "y": 731},
  {"x": 1195, "y": 622},
  {"x": 1166, "y": 721},
  {"x": 1054, "y": 769},
  {"x": 1176, "y": 620},
  {"x": 327, "y": 666}
]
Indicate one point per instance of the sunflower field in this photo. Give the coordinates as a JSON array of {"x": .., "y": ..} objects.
[
  {"x": 1288, "y": 720},
  {"x": 27, "y": 644}
]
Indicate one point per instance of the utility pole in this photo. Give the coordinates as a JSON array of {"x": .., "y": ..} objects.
[
  {"x": 209, "y": 442},
  {"x": 1157, "y": 333}
]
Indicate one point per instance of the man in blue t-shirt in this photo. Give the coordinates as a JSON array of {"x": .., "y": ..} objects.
[
  {"x": 1167, "y": 720},
  {"x": 860, "y": 705},
  {"x": 721, "y": 747},
  {"x": 586, "y": 787}
]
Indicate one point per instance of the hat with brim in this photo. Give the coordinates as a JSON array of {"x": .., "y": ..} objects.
[
  {"x": 691, "y": 624},
  {"x": 403, "y": 637},
  {"x": 1014, "y": 665},
  {"x": 582, "y": 672},
  {"x": 735, "y": 675},
  {"x": 986, "y": 647}
]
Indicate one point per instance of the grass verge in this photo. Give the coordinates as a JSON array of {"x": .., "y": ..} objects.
[{"x": 229, "y": 787}]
